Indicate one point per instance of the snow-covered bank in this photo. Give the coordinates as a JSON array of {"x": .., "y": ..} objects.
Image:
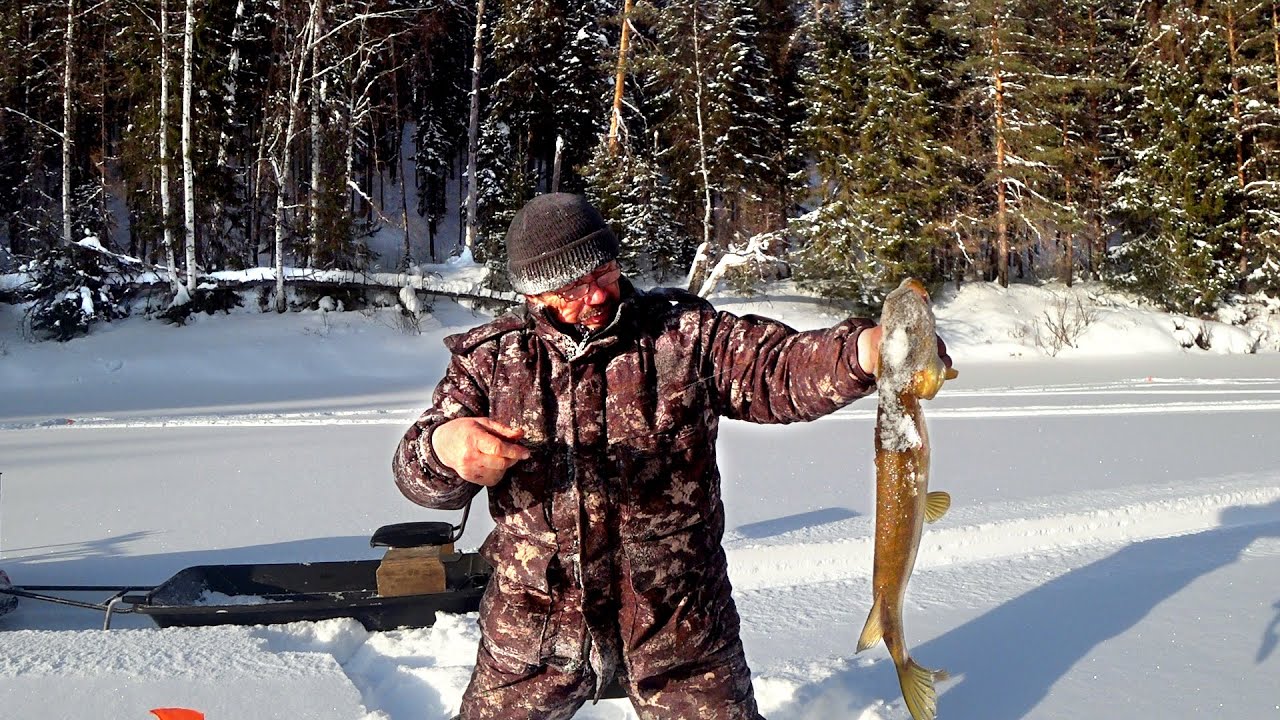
[{"x": 1112, "y": 549}]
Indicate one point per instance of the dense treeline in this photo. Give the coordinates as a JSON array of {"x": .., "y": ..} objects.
[{"x": 1135, "y": 141}]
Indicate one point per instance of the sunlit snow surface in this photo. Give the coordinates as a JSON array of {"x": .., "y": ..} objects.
[{"x": 1112, "y": 550}]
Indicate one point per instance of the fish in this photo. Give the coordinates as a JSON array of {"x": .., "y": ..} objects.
[{"x": 910, "y": 370}]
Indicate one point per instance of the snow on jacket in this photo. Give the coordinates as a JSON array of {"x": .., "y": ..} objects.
[{"x": 608, "y": 539}]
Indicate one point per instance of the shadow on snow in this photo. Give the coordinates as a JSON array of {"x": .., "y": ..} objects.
[{"x": 1007, "y": 659}]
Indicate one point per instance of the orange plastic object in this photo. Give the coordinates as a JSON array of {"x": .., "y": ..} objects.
[{"x": 177, "y": 714}]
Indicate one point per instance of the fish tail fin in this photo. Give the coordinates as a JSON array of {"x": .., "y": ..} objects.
[
  {"x": 873, "y": 631},
  {"x": 936, "y": 504},
  {"x": 918, "y": 690}
]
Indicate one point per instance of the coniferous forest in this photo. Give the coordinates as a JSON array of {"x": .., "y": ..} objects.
[{"x": 847, "y": 144}]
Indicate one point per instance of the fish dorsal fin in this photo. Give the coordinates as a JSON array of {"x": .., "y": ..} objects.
[{"x": 936, "y": 504}]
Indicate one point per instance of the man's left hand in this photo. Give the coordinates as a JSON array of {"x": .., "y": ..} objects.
[{"x": 869, "y": 352}]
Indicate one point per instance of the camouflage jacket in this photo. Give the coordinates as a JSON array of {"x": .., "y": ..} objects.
[{"x": 608, "y": 539}]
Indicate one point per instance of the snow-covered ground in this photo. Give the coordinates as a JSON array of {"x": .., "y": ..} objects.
[{"x": 1112, "y": 551}]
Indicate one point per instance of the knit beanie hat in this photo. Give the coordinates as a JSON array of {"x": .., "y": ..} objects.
[{"x": 555, "y": 239}]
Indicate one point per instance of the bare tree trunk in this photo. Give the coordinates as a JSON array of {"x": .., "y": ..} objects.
[
  {"x": 283, "y": 164},
  {"x": 404, "y": 187},
  {"x": 188, "y": 168},
  {"x": 702, "y": 259},
  {"x": 473, "y": 130},
  {"x": 68, "y": 119},
  {"x": 103, "y": 150},
  {"x": 1069, "y": 251},
  {"x": 555, "y": 172},
  {"x": 624, "y": 45},
  {"x": 166, "y": 203},
  {"x": 1275, "y": 44},
  {"x": 1002, "y": 203},
  {"x": 404, "y": 182},
  {"x": 1233, "y": 56},
  {"x": 218, "y": 222},
  {"x": 319, "y": 94},
  {"x": 1096, "y": 249}
]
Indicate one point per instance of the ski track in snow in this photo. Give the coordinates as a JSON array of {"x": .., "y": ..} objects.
[
  {"x": 844, "y": 550},
  {"x": 1151, "y": 396}
]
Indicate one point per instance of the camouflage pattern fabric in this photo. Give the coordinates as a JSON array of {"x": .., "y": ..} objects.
[{"x": 607, "y": 545}]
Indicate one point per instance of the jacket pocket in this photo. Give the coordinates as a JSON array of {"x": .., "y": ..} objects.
[
  {"x": 666, "y": 568},
  {"x": 679, "y": 591},
  {"x": 516, "y": 607},
  {"x": 667, "y": 479}
]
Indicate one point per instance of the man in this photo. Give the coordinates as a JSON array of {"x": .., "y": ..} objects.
[{"x": 591, "y": 415}]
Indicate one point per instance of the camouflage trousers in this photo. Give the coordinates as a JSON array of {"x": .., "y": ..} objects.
[{"x": 714, "y": 688}]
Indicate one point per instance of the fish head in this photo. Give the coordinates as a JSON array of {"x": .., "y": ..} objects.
[{"x": 915, "y": 286}]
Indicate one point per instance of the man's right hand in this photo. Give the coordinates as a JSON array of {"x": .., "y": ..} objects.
[{"x": 478, "y": 449}]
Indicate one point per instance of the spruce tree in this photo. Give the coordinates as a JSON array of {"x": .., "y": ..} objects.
[
  {"x": 743, "y": 121},
  {"x": 547, "y": 84},
  {"x": 1104, "y": 45},
  {"x": 1251, "y": 32},
  {"x": 633, "y": 194},
  {"x": 440, "y": 85},
  {"x": 1177, "y": 199},
  {"x": 711, "y": 96},
  {"x": 875, "y": 101},
  {"x": 1015, "y": 100},
  {"x": 581, "y": 87}
]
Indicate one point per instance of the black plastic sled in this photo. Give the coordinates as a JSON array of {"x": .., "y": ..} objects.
[
  {"x": 268, "y": 594},
  {"x": 288, "y": 592}
]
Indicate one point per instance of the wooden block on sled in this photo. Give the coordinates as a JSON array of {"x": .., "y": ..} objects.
[{"x": 412, "y": 571}]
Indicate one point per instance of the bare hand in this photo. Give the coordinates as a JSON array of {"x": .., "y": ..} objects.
[
  {"x": 869, "y": 352},
  {"x": 869, "y": 349},
  {"x": 478, "y": 449}
]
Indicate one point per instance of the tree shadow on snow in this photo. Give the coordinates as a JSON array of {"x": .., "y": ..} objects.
[
  {"x": 1270, "y": 637},
  {"x": 1006, "y": 660},
  {"x": 101, "y": 562},
  {"x": 791, "y": 523}
]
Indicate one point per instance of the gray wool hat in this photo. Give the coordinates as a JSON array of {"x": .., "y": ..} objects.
[{"x": 555, "y": 239}]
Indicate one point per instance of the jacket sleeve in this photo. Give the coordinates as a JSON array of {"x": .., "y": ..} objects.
[
  {"x": 418, "y": 472},
  {"x": 767, "y": 372}
]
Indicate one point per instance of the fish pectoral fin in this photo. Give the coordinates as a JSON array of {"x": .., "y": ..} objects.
[
  {"x": 873, "y": 631},
  {"x": 918, "y": 690},
  {"x": 936, "y": 504}
]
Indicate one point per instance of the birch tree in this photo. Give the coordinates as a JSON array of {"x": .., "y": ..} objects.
[
  {"x": 68, "y": 118},
  {"x": 713, "y": 105},
  {"x": 319, "y": 83},
  {"x": 298, "y": 60},
  {"x": 473, "y": 131},
  {"x": 702, "y": 257},
  {"x": 188, "y": 169},
  {"x": 166, "y": 212}
]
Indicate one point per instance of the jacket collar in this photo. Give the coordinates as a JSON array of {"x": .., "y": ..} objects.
[{"x": 571, "y": 343}]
